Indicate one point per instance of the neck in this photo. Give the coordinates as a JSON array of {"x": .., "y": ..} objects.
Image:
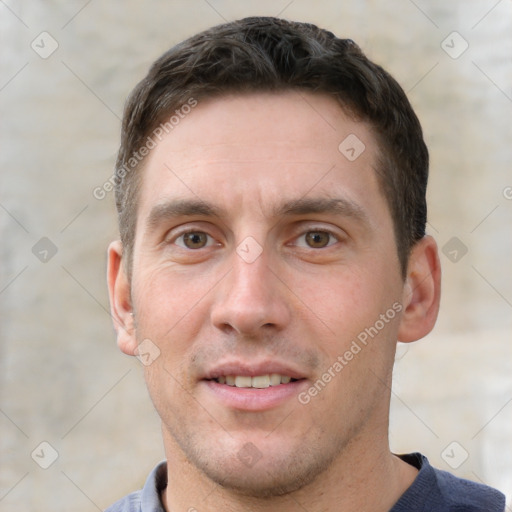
[{"x": 358, "y": 480}]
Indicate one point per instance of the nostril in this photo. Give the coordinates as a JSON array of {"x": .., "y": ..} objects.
[{"x": 227, "y": 328}]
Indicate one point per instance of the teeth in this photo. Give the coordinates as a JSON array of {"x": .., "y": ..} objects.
[
  {"x": 275, "y": 379},
  {"x": 259, "y": 382},
  {"x": 243, "y": 381},
  {"x": 262, "y": 381}
]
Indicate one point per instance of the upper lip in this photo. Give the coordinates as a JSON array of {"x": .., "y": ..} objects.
[{"x": 252, "y": 369}]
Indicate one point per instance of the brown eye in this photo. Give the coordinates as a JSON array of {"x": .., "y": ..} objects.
[
  {"x": 317, "y": 239},
  {"x": 195, "y": 240}
]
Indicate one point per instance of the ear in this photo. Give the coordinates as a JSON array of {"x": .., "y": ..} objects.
[
  {"x": 422, "y": 291},
  {"x": 120, "y": 299}
]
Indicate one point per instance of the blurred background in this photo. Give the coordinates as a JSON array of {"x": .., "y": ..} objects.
[{"x": 78, "y": 430}]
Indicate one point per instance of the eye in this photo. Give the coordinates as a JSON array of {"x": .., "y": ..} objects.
[
  {"x": 316, "y": 239},
  {"x": 194, "y": 240}
]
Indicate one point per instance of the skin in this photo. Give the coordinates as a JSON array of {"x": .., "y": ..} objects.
[{"x": 253, "y": 158}]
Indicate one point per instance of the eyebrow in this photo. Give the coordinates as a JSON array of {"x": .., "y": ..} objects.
[
  {"x": 323, "y": 205},
  {"x": 303, "y": 206},
  {"x": 180, "y": 208}
]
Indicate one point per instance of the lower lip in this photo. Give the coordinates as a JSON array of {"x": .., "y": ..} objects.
[{"x": 252, "y": 399}]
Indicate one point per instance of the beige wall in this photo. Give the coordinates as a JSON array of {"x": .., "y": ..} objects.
[{"x": 62, "y": 379}]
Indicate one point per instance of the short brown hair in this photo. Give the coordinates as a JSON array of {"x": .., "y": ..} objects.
[{"x": 270, "y": 54}]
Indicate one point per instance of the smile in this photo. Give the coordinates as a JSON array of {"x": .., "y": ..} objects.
[{"x": 258, "y": 381}]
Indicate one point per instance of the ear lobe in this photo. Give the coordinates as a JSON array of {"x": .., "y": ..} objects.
[
  {"x": 120, "y": 300},
  {"x": 422, "y": 291}
]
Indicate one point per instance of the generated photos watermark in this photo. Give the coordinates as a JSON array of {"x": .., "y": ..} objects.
[
  {"x": 152, "y": 140},
  {"x": 355, "y": 348}
]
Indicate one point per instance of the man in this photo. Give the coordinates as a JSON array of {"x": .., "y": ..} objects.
[{"x": 270, "y": 187}]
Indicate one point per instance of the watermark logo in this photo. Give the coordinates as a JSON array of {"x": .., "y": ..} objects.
[
  {"x": 44, "y": 249},
  {"x": 352, "y": 147},
  {"x": 249, "y": 454},
  {"x": 454, "y": 455},
  {"x": 44, "y": 45},
  {"x": 249, "y": 249},
  {"x": 44, "y": 455},
  {"x": 454, "y": 45},
  {"x": 147, "y": 352},
  {"x": 454, "y": 249}
]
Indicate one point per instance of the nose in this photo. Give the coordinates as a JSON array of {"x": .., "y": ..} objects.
[{"x": 251, "y": 299}]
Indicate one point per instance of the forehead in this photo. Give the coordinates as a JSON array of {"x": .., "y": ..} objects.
[{"x": 262, "y": 149}]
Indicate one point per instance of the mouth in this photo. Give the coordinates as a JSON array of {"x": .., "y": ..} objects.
[
  {"x": 258, "y": 381},
  {"x": 255, "y": 387}
]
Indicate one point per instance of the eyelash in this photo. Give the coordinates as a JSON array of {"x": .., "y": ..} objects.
[
  {"x": 189, "y": 231},
  {"x": 320, "y": 230},
  {"x": 331, "y": 234}
]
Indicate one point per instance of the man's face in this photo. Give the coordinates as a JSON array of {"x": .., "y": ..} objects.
[{"x": 262, "y": 252}]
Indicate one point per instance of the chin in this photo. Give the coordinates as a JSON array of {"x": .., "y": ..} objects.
[
  {"x": 272, "y": 472},
  {"x": 262, "y": 484}
]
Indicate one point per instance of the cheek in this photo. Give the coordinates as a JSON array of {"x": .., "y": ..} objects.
[
  {"x": 169, "y": 313},
  {"x": 341, "y": 298},
  {"x": 170, "y": 307},
  {"x": 354, "y": 305}
]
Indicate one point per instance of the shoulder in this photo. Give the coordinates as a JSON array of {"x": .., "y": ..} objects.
[
  {"x": 440, "y": 491},
  {"x": 147, "y": 499},
  {"x": 130, "y": 503},
  {"x": 461, "y": 494}
]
